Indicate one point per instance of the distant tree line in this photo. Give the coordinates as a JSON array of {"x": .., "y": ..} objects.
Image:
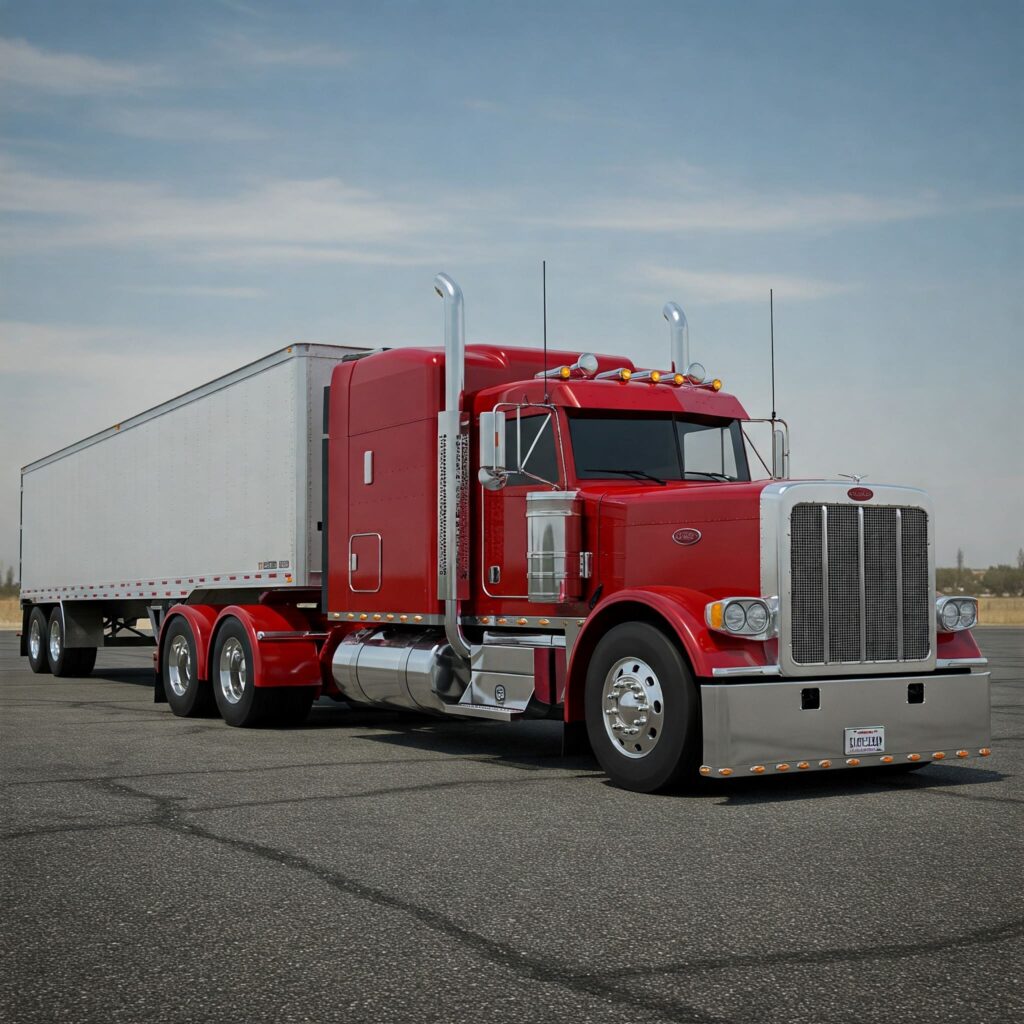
[
  {"x": 1000, "y": 580},
  {"x": 8, "y": 588}
]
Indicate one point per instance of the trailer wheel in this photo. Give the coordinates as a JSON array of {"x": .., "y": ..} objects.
[
  {"x": 37, "y": 633},
  {"x": 239, "y": 701},
  {"x": 187, "y": 696},
  {"x": 64, "y": 661},
  {"x": 642, "y": 709}
]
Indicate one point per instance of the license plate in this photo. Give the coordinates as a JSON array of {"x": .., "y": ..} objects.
[{"x": 865, "y": 739}]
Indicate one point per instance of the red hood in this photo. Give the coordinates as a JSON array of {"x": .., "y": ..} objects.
[{"x": 635, "y": 527}]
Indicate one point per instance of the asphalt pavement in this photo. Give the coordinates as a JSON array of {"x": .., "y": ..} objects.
[{"x": 380, "y": 867}]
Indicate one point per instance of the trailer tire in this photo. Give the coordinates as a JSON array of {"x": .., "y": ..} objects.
[
  {"x": 240, "y": 701},
  {"x": 187, "y": 695},
  {"x": 66, "y": 662},
  {"x": 642, "y": 709},
  {"x": 37, "y": 639}
]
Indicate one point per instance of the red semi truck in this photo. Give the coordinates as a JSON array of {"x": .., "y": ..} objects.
[{"x": 505, "y": 533}]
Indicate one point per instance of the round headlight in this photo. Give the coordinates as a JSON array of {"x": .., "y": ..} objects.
[
  {"x": 735, "y": 617},
  {"x": 950, "y": 616},
  {"x": 757, "y": 618},
  {"x": 968, "y": 614}
]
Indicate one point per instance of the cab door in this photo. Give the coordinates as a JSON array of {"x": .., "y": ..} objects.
[{"x": 533, "y": 453}]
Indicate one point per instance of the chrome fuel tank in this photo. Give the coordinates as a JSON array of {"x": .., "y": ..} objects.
[{"x": 396, "y": 668}]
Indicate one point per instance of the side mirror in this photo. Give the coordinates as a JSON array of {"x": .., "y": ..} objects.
[
  {"x": 492, "y": 450},
  {"x": 780, "y": 457}
]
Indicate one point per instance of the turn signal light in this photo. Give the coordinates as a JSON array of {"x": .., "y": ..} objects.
[{"x": 985, "y": 751}]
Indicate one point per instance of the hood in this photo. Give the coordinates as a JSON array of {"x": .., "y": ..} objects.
[{"x": 636, "y": 527}]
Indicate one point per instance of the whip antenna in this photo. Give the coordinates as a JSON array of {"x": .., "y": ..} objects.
[
  {"x": 771, "y": 320},
  {"x": 544, "y": 302}
]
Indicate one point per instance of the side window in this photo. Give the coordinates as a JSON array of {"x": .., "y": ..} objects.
[{"x": 538, "y": 456}]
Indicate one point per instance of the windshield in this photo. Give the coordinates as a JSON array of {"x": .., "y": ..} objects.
[{"x": 657, "y": 448}]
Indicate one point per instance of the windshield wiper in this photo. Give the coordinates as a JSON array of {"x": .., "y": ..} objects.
[
  {"x": 710, "y": 476},
  {"x": 636, "y": 474}
]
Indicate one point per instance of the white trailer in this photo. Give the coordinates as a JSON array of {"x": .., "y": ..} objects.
[{"x": 217, "y": 490}]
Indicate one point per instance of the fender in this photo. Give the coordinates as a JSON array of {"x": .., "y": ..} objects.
[
  {"x": 201, "y": 618},
  {"x": 680, "y": 610},
  {"x": 288, "y": 655}
]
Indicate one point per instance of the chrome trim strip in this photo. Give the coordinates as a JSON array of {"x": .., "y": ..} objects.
[
  {"x": 281, "y": 634},
  {"x": 899, "y": 584},
  {"x": 824, "y": 586},
  {"x": 960, "y": 662},
  {"x": 747, "y": 670},
  {"x": 863, "y": 585}
]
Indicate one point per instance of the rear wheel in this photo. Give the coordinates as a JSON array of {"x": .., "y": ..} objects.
[
  {"x": 239, "y": 701},
  {"x": 186, "y": 694},
  {"x": 642, "y": 709},
  {"x": 65, "y": 661},
  {"x": 37, "y": 631}
]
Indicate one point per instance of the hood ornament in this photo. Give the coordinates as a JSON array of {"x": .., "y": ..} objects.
[{"x": 855, "y": 477}]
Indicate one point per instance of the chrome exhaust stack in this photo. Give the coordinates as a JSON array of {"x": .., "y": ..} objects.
[
  {"x": 679, "y": 336},
  {"x": 452, "y": 468}
]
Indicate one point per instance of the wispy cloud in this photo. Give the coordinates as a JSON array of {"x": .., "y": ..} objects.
[
  {"x": 179, "y": 124},
  {"x": 246, "y": 49},
  {"x": 23, "y": 64},
  {"x": 323, "y": 219},
  {"x": 710, "y": 287}
]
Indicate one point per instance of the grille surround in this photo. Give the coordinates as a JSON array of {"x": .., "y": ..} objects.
[{"x": 858, "y": 542}]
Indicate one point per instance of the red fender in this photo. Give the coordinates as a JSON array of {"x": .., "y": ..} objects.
[
  {"x": 682, "y": 610},
  {"x": 201, "y": 618},
  {"x": 282, "y": 660}
]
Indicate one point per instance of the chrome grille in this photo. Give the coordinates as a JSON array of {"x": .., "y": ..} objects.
[{"x": 859, "y": 584}]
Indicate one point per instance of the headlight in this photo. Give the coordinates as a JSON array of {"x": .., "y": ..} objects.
[
  {"x": 735, "y": 617},
  {"x": 953, "y": 614},
  {"x": 750, "y": 617}
]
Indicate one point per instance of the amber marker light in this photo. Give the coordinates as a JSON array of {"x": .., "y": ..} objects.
[
  {"x": 824, "y": 764},
  {"x": 705, "y": 769},
  {"x": 913, "y": 757},
  {"x": 725, "y": 771},
  {"x": 853, "y": 761},
  {"x": 678, "y": 378},
  {"x": 363, "y": 617},
  {"x": 564, "y": 372},
  {"x": 782, "y": 767},
  {"x": 757, "y": 769},
  {"x": 938, "y": 755},
  {"x": 804, "y": 765},
  {"x": 716, "y": 385},
  {"x": 522, "y": 622},
  {"x": 985, "y": 751},
  {"x": 715, "y": 613},
  {"x": 963, "y": 753},
  {"x": 887, "y": 759},
  {"x": 625, "y": 374}
]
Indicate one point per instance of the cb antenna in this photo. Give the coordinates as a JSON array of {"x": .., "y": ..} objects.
[
  {"x": 544, "y": 303},
  {"x": 771, "y": 321}
]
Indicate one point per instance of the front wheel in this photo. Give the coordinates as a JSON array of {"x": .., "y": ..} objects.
[{"x": 642, "y": 709}]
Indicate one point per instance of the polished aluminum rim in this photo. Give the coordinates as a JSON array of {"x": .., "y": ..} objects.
[
  {"x": 55, "y": 640},
  {"x": 634, "y": 707},
  {"x": 232, "y": 670},
  {"x": 35, "y": 639},
  {"x": 179, "y": 665}
]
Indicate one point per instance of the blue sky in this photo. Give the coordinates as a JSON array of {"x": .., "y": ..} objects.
[{"x": 186, "y": 186}]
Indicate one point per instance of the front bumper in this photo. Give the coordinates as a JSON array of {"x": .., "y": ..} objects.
[{"x": 764, "y": 728}]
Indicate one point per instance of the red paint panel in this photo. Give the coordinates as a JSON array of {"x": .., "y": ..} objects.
[{"x": 278, "y": 662}]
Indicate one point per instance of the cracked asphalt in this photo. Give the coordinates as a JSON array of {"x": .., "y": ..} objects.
[{"x": 379, "y": 867}]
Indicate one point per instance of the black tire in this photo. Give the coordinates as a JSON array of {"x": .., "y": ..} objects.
[
  {"x": 38, "y": 626},
  {"x": 66, "y": 662},
  {"x": 652, "y": 739},
  {"x": 188, "y": 696},
  {"x": 232, "y": 673}
]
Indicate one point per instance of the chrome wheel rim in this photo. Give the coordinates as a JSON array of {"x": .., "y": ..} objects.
[
  {"x": 35, "y": 639},
  {"x": 179, "y": 665},
  {"x": 232, "y": 670},
  {"x": 633, "y": 706},
  {"x": 55, "y": 640}
]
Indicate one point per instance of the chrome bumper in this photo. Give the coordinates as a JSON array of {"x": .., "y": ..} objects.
[{"x": 763, "y": 727}]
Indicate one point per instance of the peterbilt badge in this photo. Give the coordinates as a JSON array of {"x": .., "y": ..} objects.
[{"x": 686, "y": 536}]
